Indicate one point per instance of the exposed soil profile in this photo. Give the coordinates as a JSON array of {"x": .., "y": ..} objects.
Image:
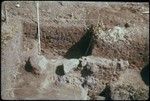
[
  {"x": 89, "y": 51},
  {"x": 76, "y": 42}
]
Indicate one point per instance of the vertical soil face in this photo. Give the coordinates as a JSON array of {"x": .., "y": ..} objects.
[
  {"x": 58, "y": 39},
  {"x": 70, "y": 42},
  {"x": 75, "y": 42}
]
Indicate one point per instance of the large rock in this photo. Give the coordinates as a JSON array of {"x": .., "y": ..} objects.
[
  {"x": 112, "y": 35},
  {"x": 69, "y": 65},
  {"x": 108, "y": 63},
  {"x": 39, "y": 62}
]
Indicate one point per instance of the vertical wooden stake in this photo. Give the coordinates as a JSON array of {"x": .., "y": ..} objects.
[{"x": 39, "y": 41}]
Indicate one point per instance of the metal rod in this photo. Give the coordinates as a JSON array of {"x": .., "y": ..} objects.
[{"x": 39, "y": 41}]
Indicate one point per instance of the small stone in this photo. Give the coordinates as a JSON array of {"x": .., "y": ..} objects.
[
  {"x": 88, "y": 66},
  {"x": 91, "y": 80},
  {"x": 127, "y": 25},
  {"x": 83, "y": 63},
  {"x": 94, "y": 68},
  {"x": 122, "y": 65},
  {"x": 17, "y": 5},
  {"x": 70, "y": 15},
  {"x": 3, "y": 19},
  {"x": 60, "y": 3}
]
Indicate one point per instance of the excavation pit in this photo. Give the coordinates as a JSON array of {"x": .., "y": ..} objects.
[
  {"x": 120, "y": 38},
  {"x": 69, "y": 42},
  {"x": 77, "y": 41}
]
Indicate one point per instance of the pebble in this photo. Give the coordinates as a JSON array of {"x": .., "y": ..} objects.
[{"x": 17, "y": 5}]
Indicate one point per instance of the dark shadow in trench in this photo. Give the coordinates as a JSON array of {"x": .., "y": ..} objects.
[
  {"x": 28, "y": 66},
  {"x": 106, "y": 93},
  {"x": 60, "y": 70},
  {"x": 145, "y": 74},
  {"x": 86, "y": 72},
  {"x": 83, "y": 47}
]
